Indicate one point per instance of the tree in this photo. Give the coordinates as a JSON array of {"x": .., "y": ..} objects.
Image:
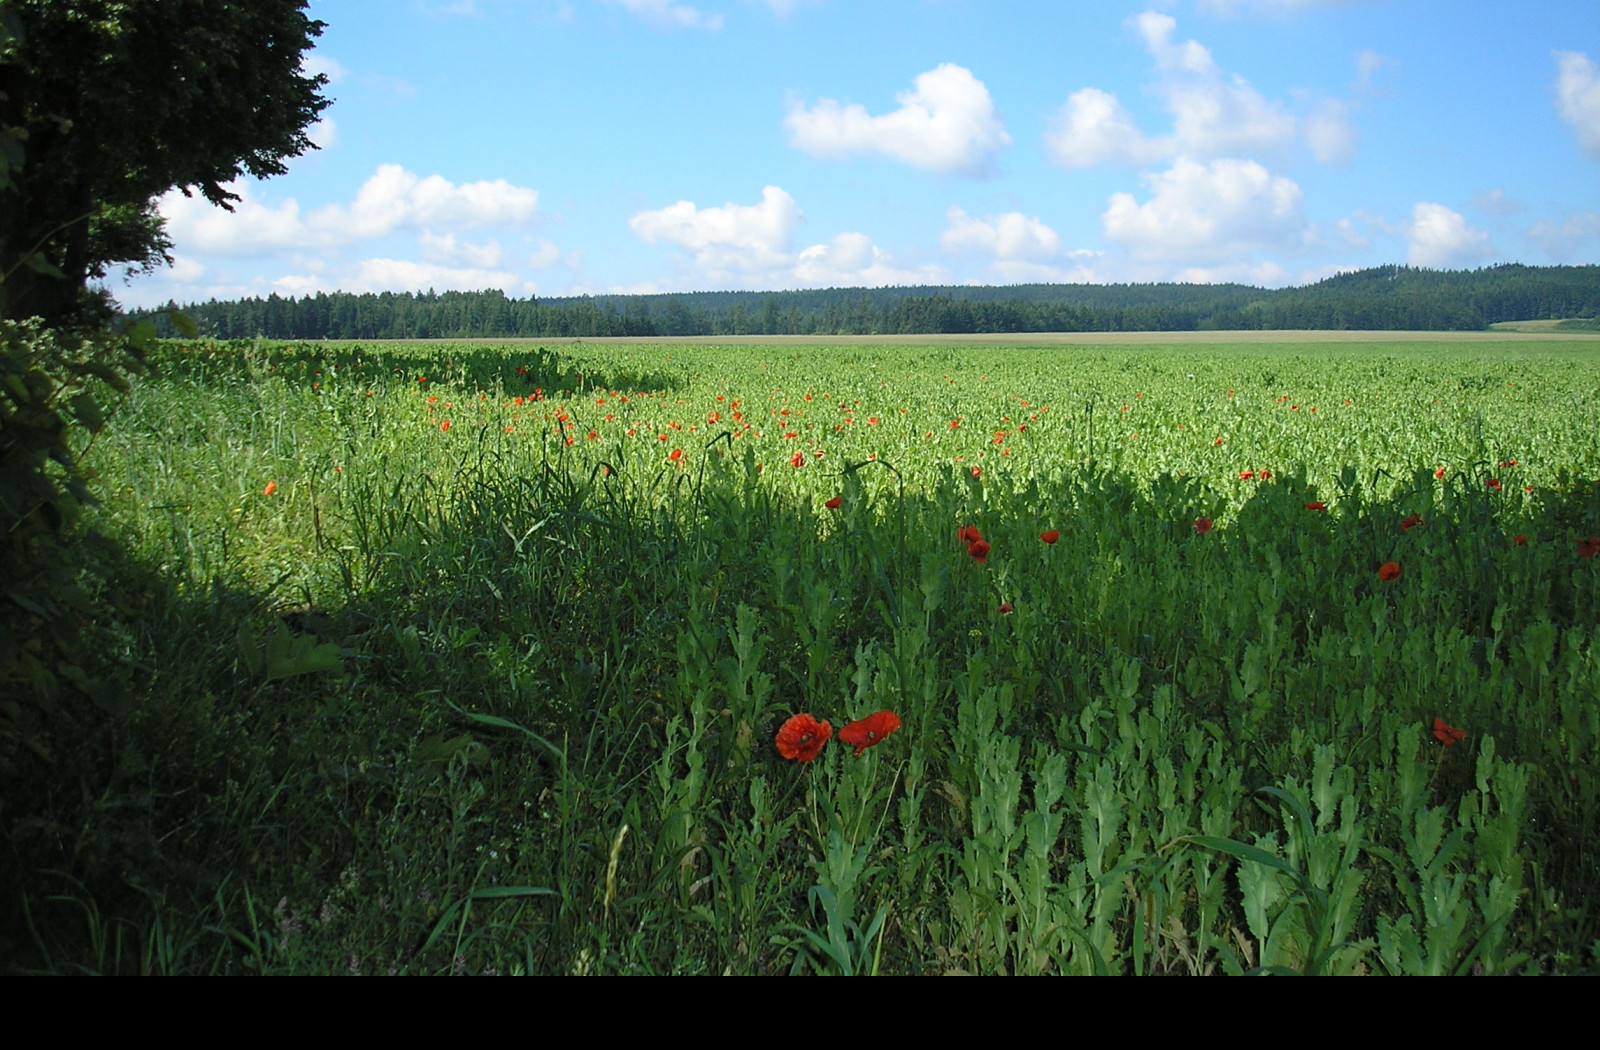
[
  {"x": 107, "y": 104},
  {"x": 104, "y": 106}
]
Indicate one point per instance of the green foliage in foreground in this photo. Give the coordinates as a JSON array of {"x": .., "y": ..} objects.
[{"x": 500, "y": 696}]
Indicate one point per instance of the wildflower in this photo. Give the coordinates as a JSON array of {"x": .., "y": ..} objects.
[
  {"x": 1520, "y": 540},
  {"x": 835, "y": 503},
  {"x": 1589, "y": 547},
  {"x": 445, "y": 425},
  {"x": 1494, "y": 483},
  {"x": 1438, "y": 475},
  {"x": 969, "y": 534},
  {"x": 272, "y": 486},
  {"x": 1005, "y": 609},
  {"x": 676, "y": 455},
  {"x": 1246, "y": 475},
  {"x": 802, "y": 737},
  {"x": 1218, "y": 441},
  {"x": 797, "y": 460},
  {"x": 977, "y": 472},
  {"x": 1389, "y": 571},
  {"x": 1316, "y": 504},
  {"x": 1265, "y": 475},
  {"x": 1411, "y": 522},
  {"x": 1202, "y": 525},
  {"x": 979, "y": 549},
  {"x": 869, "y": 731},
  {"x": 1051, "y": 536},
  {"x": 1446, "y": 734}
]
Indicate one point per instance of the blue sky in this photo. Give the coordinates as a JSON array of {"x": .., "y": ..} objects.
[{"x": 561, "y": 147}]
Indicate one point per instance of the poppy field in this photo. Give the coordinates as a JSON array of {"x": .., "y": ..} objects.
[{"x": 670, "y": 658}]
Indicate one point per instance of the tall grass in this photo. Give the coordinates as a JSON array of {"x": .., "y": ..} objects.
[{"x": 479, "y": 699}]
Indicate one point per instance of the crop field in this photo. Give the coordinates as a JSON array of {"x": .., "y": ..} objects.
[{"x": 680, "y": 657}]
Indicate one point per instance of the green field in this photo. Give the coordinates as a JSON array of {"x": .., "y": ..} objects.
[{"x": 472, "y": 658}]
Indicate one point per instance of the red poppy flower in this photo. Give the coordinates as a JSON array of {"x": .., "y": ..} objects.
[
  {"x": 797, "y": 460},
  {"x": 1589, "y": 547},
  {"x": 676, "y": 455},
  {"x": 1265, "y": 475},
  {"x": 1439, "y": 474},
  {"x": 1316, "y": 505},
  {"x": 969, "y": 535},
  {"x": 1411, "y": 522},
  {"x": 976, "y": 472},
  {"x": 870, "y": 731},
  {"x": 835, "y": 503},
  {"x": 445, "y": 425},
  {"x": 1447, "y": 735},
  {"x": 1006, "y": 608},
  {"x": 1520, "y": 540},
  {"x": 272, "y": 486},
  {"x": 1389, "y": 571},
  {"x": 1202, "y": 525},
  {"x": 1246, "y": 475},
  {"x": 979, "y": 549},
  {"x": 802, "y": 737},
  {"x": 1051, "y": 536},
  {"x": 1494, "y": 483}
]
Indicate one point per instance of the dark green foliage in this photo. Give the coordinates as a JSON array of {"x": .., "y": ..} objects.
[
  {"x": 1387, "y": 297},
  {"x": 106, "y": 105}
]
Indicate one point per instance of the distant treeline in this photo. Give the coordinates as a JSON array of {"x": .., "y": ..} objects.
[{"x": 1385, "y": 297}]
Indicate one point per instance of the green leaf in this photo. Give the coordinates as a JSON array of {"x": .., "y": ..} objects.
[
  {"x": 87, "y": 411},
  {"x": 1243, "y": 851},
  {"x": 39, "y": 264},
  {"x": 184, "y": 324},
  {"x": 506, "y": 723},
  {"x": 250, "y": 652},
  {"x": 295, "y": 654},
  {"x": 438, "y": 752}
]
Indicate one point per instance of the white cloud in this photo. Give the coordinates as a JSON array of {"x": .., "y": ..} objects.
[
  {"x": 1187, "y": 57},
  {"x": 390, "y": 199},
  {"x": 1368, "y": 63},
  {"x": 1093, "y": 128},
  {"x": 670, "y": 15},
  {"x": 1560, "y": 242},
  {"x": 1330, "y": 133},
  {"x": 1352, "y": 237},
  {"x": 1208, "y": 213},
  {"x": 1265, "y": 274},
  {"x": 316, "y": 64},
  {"x": 250, "y": 229},
  {"x": 395, "y": 197},
  {"x": 185, "y": 269},
  {"x": 545, "y": 256},
  {"x": 1213, "y": 115},
  {"x": 946, "y": 123},
  {"x": 852, "y": 260},
  {"x": 1009, "y": 236},
  {"x": 378, "y": 275},
  {"x": 1578, "y": 97},
  {"x": 324, "y": 134},
  {"x": 731, "y": 241},
  {"x": 1439, "y": 238},
  {"x": 444, "y": 248},
  {"x": 1495, "y": 202}
]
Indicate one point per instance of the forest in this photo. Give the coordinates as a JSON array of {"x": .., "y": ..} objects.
[{"x": 1386, "y": 297}]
